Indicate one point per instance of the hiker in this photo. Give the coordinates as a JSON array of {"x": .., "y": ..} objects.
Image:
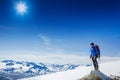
[{"x": 94, "y": 55}]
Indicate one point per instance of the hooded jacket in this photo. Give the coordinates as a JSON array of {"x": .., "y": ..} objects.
[{"x": 94, "y": 51}]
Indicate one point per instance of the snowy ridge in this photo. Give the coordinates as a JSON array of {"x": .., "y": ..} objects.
[
  {"x": 109, "y": 68},
  {"x": 16, "y": 69}
]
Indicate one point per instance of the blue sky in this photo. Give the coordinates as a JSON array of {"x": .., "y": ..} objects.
[{"x": 60, "y": 27}]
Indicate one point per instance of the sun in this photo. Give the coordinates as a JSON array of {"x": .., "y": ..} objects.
[{"x": 21, "y": 8}]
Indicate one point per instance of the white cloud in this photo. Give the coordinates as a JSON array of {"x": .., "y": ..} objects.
[
  {"x": 55, "y": 58},
  {"x": 49, "y": 44},
  {"x": 55, "y": 50},
  {"x": 45, "y": 39}
]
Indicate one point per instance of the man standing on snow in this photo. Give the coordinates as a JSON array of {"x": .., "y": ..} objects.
[{"x": 94, "y": 51}]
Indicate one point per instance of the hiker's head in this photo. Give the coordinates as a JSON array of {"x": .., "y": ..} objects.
[{"x": 91, "y": 44}]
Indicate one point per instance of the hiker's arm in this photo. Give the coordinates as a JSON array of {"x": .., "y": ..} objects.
[{"x": 90, "y": 53}]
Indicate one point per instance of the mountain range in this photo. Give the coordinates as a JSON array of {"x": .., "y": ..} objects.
[{"x": 12, "y": 70}]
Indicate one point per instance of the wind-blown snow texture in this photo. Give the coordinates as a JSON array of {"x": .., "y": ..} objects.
[
  {"x": 109, "y": 68},
  {"x": 12, "y": 70}
]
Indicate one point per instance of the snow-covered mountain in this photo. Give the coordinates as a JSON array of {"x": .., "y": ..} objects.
[
  {"x": 109, "y": 68},
  {"x": 12, "y": 70}
]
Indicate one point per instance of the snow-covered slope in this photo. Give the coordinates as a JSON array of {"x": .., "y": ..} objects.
[{"x": 109, "y": 68}]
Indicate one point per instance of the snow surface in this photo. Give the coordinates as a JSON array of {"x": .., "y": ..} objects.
[{"x": 109, "y": 68}]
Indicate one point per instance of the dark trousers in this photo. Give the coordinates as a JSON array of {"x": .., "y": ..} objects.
[{"x": 95, "y": 63}]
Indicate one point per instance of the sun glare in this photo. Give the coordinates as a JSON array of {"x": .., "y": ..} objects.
[{"x": 21, "y": 8}]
